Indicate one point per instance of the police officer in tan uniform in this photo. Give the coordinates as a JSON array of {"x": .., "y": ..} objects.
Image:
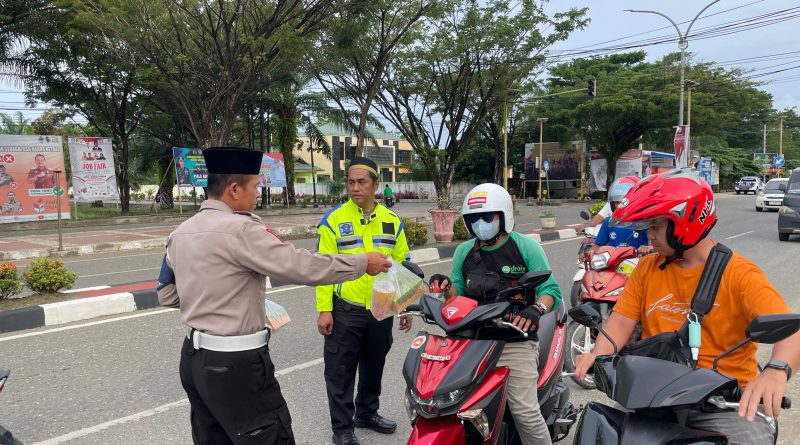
[{"x": 215, "y": 272}]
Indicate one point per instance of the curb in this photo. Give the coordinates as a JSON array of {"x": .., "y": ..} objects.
[{"x": 102, "y": 301}]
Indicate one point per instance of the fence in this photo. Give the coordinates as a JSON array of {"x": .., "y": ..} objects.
[{"x": 420, "y": 188}]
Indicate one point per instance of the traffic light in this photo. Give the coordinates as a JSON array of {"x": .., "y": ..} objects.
[{"x": 592, "y": 89}]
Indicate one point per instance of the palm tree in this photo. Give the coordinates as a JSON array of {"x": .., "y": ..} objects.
[
  {"x": 15, "y": 124},
  {"x": 295, "y": 106}
]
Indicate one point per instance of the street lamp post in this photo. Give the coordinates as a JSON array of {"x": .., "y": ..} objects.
[
  {"x": 683, "y": 43},
  {"x": 541, "y": 121}
]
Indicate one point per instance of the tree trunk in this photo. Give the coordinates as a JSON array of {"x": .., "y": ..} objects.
[
  {"x": 124, "y": 179},
  {"x": 286, "y": 135}
]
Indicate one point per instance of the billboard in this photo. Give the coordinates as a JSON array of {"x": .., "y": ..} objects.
[
  {"x": 190, "y": 167},
  {"x": 273, "y": 171},
  {"x": 93, "y": 175},
  {"x": 764, "y": 162},
  {"x": 706, "y": 170},
  {"x": 564, "y": 161},
  {"x": 28, "y": 180}
]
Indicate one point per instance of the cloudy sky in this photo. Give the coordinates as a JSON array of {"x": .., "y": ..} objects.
[{"x": 752, "y": 41}]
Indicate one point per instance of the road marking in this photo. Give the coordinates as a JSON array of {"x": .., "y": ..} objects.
[
  {"x": 741, "y": 234},
  {"x": 152, "y": 412},
  {"x": 159, "y": 253},
  {"x": 85, "y": 289},
  {"x": 117, "y": 273},
  {"x": 91, "y": 323},
  {"x": 161, "y": 311}
]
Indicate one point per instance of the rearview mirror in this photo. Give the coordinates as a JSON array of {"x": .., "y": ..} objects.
[
  {"x": 585, "y": 215},
  {"x": 586, "y": 315},
  {"x": 782, "y": 187},
  {"x": 416, "y": 270},
  {"x": 773, "y": 328},
  {"x": 534, "y": 278}
]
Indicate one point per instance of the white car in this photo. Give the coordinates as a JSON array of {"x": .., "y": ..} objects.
[{"x": 771, "y": 196}]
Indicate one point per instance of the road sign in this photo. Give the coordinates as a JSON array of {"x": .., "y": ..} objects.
[
  {"x": 779, "y": 161},
  {"x": 546, "y": 165},
  {"x": 58, "y": 190}
]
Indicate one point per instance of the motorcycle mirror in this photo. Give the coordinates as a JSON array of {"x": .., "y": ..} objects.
[
  {"x": 585, "y": 215},
  {"x": 534, "y": 278},
  {"x": 416, "y": 270},
  {"x": 586, "y": 315},
  {"x": 773, "y": 328}
]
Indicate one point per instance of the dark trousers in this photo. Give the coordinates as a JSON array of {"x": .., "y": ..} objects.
[
  {"x": 234, "y": 397},
  {"x": 358, "y": 341}
]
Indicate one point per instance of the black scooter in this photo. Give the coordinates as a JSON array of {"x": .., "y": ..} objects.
[
  {"x": 6, "y": 438},
  {"x": 655, "y": 394}
]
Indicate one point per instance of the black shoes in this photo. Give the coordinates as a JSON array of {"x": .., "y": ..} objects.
[
  {"x": 345, "y": 438},
  {"x": 376, "y": 423}
]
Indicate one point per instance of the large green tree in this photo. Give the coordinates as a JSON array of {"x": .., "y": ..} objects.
[{"x": 438, "y": 90}]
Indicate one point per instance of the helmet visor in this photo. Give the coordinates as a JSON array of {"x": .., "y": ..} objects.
[{"x": 472, "y": 218}]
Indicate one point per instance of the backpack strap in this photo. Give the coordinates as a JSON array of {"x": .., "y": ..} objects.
[{"x": 706, "y": 292}]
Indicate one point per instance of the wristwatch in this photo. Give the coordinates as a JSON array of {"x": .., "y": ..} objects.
[
  {"x": 541, "y": 307},
  {"x": 780, "y": 364}
]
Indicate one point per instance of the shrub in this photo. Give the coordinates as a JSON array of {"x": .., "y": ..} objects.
[
  {"x": 416, "y": 234},
  {"x": 460, "y": 229},
  {"x": 48, "y": 275},
  {"x": 10, "y": 283},
  {"x": 596, "y": 207}
]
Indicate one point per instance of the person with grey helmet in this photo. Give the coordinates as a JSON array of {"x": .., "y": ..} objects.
[
  {"x": 620, "y": 235},
  {"x": 491, "y": 263}
]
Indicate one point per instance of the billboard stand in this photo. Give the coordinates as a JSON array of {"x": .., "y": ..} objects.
[
  {"x": 180, "y": 200},
  {"x": 58, "y": 191}
]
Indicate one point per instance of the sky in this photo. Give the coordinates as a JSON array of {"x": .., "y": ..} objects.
[{"x": 609, "y": 22}]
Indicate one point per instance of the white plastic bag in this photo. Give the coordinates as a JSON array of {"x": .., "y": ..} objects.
[{"x": 277, "y": 317}]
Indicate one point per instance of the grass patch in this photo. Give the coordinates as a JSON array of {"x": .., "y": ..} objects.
[
  {"x": 85, "y": 211},
  {"x": 35, "y": 300}
]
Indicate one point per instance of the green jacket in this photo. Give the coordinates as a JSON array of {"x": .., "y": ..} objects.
[{"x": 344, "y": 230}]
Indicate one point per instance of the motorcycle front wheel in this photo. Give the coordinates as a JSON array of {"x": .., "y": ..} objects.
[
  {"x": 580, "y": 340},
  {"x": 575, "y": 294}
]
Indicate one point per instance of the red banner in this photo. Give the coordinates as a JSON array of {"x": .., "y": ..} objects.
[{"x": 682, "y": 146}]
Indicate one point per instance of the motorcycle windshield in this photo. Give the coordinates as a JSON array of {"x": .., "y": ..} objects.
[{"x": 644, "y": 382}]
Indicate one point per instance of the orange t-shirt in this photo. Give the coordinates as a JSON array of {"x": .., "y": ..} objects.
[{"x": 660, "y": 300}]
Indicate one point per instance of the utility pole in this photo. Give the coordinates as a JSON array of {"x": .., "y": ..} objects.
[
  {"x": 505, "y": 144},
  {"x": 683, "y": 44},
  {"x": 780, "y": 139},
  {"x": 541, "y": 120},
  {"x": 764, "y": 149}
]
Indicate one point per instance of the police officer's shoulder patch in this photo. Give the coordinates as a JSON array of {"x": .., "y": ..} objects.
[
  {"x": 346, "y": 228},
  {"x": 388, "y": 228}
]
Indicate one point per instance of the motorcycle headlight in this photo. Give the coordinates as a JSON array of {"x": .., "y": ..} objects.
[
  {"x": 436, "y": 403},
  {"x": 478, "y": 419},
  {"x": 614, "y": 293},
  {"x": 785, "y": 210},
  {"x": 600, "y": 260}
]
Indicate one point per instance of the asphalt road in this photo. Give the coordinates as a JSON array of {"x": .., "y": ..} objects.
[{"x": 115, "y": 380}]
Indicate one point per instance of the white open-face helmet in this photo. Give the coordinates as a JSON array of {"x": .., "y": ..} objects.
[{"x": 489, "y": 197}]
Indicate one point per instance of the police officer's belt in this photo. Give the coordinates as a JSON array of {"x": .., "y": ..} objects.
[{"x": 232, "y": 343}]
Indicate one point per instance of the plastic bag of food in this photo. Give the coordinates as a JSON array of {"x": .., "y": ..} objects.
[
  {"x": 277, "y": 317},
  {"x": 394, "y": 291}
]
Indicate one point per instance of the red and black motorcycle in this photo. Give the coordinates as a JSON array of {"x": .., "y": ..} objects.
[
  {"x": 6, "y": 438},
  {"x": 607, "y": 272},
  {"x": 455, "y": 393}
]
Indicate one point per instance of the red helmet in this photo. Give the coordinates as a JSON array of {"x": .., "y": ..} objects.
[{"x": 678, "y": 195}]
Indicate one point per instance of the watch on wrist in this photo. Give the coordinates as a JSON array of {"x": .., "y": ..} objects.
[
  {"x": 781, "y": 365},
  {"x": 541, "y": 307}
]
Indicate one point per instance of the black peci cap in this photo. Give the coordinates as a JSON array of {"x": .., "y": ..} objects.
[
  {"x": 233, "y": 160},
  {"x": 364, "y": 164}
]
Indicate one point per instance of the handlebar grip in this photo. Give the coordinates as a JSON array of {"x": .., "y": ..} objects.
[
  {"x": 414, "y": 308},
  {"x": 786, "y": 403}
]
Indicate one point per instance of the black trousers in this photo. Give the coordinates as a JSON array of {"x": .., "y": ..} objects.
[
  {"x": 234, "y": 397},
  {"x": 358, "y": 341}
]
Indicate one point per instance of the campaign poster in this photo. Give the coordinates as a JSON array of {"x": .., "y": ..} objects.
[
  {"x": 273, "y": 171},
  {"x": 599, "y": 167},
  {"x": 630, "y": 163},
  {"x": 681, "y": 146},
  {"x": 190, "y": 167},
  {"x": 28, "y": 186},
  {"x": 705, "y": 169},
  {"x": 93, "y": 175}
]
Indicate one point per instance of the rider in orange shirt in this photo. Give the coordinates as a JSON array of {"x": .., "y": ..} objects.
[{"x": 678, "y": 210}]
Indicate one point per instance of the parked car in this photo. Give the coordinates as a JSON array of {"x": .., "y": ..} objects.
[
  {"x": 789, "y": 213},
  {"x": 749, "y": 184},
  {"x": 771, "y": 197}
]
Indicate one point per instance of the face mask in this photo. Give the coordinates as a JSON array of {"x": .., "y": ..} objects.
[{"x": 486, "y": 231}]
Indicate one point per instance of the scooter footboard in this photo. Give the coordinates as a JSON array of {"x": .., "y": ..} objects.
[
  {"x": 438, "y": 430},
  {"x": 603, "y": 424}
]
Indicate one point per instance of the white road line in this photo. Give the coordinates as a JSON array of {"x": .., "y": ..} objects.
[
  {"x": 84, "y": 289},
  {"x": 152, "y": 412},
  {"x": 120, "y": 272},
  {"x": 82, "y": 325},
  {"x": 741, "y": 234},
  {"x": 159, "y": 253},
  {"x": 157, "y": 312}
]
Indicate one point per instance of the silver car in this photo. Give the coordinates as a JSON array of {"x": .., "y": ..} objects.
[{"x": 771, "y": 196}]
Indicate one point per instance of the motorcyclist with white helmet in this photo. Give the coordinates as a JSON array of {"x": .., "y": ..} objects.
[{"x": 494, "y": 261}]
